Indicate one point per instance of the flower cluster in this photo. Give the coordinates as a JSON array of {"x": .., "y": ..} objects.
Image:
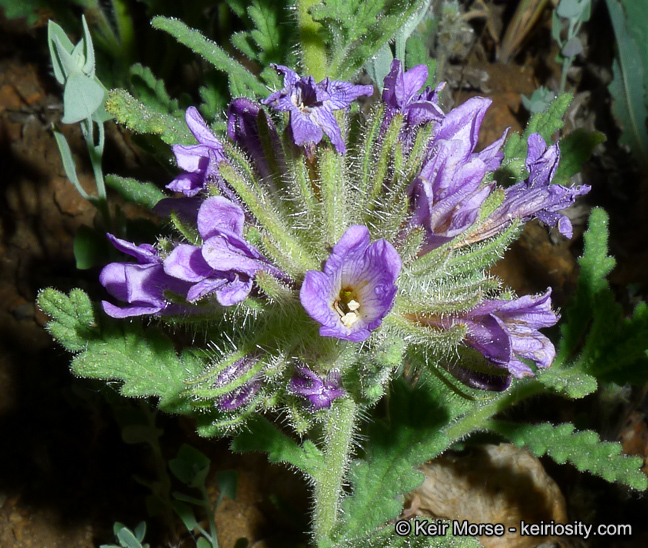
[{"x": 243, "y": 249}]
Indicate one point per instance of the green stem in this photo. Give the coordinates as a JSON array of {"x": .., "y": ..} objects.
[
  {"x": 96, "y": 153},
  {"x": 476, "y": 420},
  {"x": 328, "y": 482},
  {"x": 210, "y": 513},
  {"x": 314, "y": 60}
]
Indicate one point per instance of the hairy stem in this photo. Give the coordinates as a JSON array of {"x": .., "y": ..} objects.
[
  {"x": 475, "y": 421},
  {"x": 328, "y": 482}
]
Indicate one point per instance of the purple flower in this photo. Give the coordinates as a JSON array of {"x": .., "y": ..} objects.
[
  {"x": 319, "y": 392},
  {"x": 199, "y": 162},
  {"x": 448, "y": 193},
  {"x": 142, "y": 284},
  {"x": 243, "y": 129},
  {"x": 244, "y": 391},
  {"x": 535, "y": 197},
  {"x": 356, "y": 290},
  {"x": 311, "y": 106},
  {"x": 225, "y": 264},
  {"x": 400, "y": 95},
  {"x": 506, "y": 330}
]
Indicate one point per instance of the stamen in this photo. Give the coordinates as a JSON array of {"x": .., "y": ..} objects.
[{"x": 349, "y": 319}]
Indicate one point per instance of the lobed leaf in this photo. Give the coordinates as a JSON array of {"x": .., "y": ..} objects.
[
  {"x": 595, "y": 266},
  {"x": 73, "y": 319},
  {"x": 146, "y": 363},
  {"x": 545, "y": 123},
  {"x": 262, "y": 435},
  {"x": 241, "y": 80},
  {"x": 358, "y": 29},
  {"x": 583, "y": 449},
  {"x": 152, "y": 91},
  {"x": 575, "y": 150}
]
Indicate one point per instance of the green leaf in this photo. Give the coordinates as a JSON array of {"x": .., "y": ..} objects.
[
  {"x": 583, "y": 449},
  {"x": 90, "y": 248},
  {"x": 68, "y": 163},
  {"x": 136, "y": 116},
  {"x": 144, "y": 194},
  {"x": 545, "y": 123},
  {"x": 572, "y": 384},
  {"x": 127, "y": 539},
  {"x": 186, "y": 514},
  {"x": 31, "y": 9},
  {"x": 379, "y": 65},
  {"x": 595, "y": 266},
  {"x": 202, "y": 542},
  {"x": 628, "y": 87},
  {"x": 228, "y": 485},
  {"x": 393, "y": 450},
  {"x": 190, "y": 466},
  {"x": 57, "y": 41},
  {"x": 145, "y": 362},
  {"x": 152, "y": 91},
  {"x": 73, "y": 320},
  {"x": 612, "y": 348},
  {"x": 575, "y": 150},
  {"x": 357, "y": 29},
  {"x": 140, "y": 531},
  {"x": 238, "y": 75},
  {"x": 270, "y": 29},
  {"x": 262, "y": 435}
]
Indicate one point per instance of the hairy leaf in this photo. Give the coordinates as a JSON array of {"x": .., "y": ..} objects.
[
  {"x": 575, "y": 150},
  {"x": 241, "y": 79},
  {"x": 358, "y": 29},
  {"x": 145, "y": 362},
  {"x": 261, "y": 435},
  {"x": 545, "y": 123},
  {"x": 152, "y": 91},
  {"x": 583, "y": 449},
  {"x": 144, "y": 194},
  {"x": 595, "y": 266},
  {"x": 73, "y": 319},
  {"x": 136, "y": 116}
]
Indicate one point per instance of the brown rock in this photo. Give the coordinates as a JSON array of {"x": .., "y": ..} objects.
[{"x": 491, "y": 484}]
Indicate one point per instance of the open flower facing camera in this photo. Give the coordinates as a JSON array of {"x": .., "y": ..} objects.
[{"x": 321, "y": 256}]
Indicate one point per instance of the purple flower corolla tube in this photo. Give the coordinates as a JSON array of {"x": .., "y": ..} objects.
[
  {"x": 400, "y": 95},
  {"x": 242, "y": 394},
  {"x": 357, "y": 288},
  {"x": 243, "y": 129},
  {"x": 199, "y": 162},
  {"x": 319, "y": 392},
  {"x": 142, "y": 284},
  {"x": 448, "y": 193},
  {"x": 535, "y": 197},
  {"x": 506, "y": 330},
  {"x": 226, "y": 263},
  {"x": 311, "y": 106}
]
